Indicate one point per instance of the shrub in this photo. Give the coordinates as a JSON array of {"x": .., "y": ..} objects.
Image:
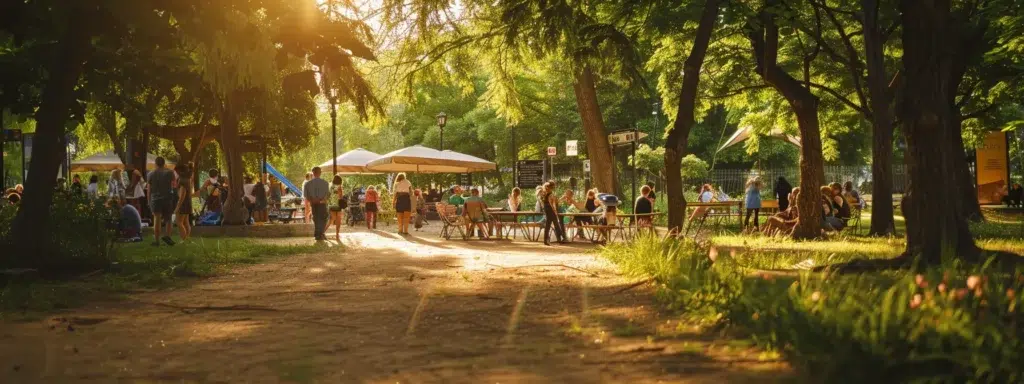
[
  {"x": 79, "y": 238},
  {"x": 946, "y": 325}
]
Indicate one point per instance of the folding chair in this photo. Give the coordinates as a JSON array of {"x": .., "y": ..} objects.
[{"x": 451, "y": 222}]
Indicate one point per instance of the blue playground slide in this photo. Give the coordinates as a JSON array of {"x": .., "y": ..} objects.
[{"x": 292, "y": 187}]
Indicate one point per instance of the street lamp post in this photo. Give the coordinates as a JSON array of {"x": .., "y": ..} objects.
[
  {"x": 334, "y": 127},
  {"x": 442, "y": 120}
]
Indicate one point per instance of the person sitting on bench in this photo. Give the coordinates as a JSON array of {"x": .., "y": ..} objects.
[
  {"x": 476, "y": 213},
  {"x": 1014, "y": 196}
]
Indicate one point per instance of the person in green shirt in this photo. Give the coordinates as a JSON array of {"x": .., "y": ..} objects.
[{"x": 456, "y": 198}]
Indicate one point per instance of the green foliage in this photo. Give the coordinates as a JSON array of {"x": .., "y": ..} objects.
[
  {"x": 693, "y": 168},
  {"x": 78, "y": 237},
  {"x": 648, "y": 159},
  {"x": 948, "y": 324}
]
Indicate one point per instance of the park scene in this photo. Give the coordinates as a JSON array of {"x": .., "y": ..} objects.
[{"x": 513, "y": 191}]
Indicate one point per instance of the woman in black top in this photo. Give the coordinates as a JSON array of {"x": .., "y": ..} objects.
[
  {"x": 550, "y": 206},
  {"x": 782, "y": 191}
]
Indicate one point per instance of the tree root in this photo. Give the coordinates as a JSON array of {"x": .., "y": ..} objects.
[{"x": 592, "y": 274}]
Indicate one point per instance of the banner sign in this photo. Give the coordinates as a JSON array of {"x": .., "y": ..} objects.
[
  {"x": 571, "y": 148},
  {"x": 993, "y": 168},
  {"x": 531, "y": 173}
]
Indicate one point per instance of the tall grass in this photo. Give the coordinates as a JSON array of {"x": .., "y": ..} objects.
[{"x": 947, "y": 325}]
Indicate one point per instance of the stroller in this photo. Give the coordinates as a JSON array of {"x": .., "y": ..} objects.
[{"x": 355, "y": 209}]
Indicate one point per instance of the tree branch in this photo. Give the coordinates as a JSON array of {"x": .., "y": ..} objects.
[{"x": 979, "y": 112}]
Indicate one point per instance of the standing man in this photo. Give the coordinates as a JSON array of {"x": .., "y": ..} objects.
[
  {"x": 161, "y": 201},
  {"x": 316, "y": 191}
]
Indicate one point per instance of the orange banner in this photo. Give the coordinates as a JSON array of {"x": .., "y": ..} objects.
[{"x": 993, "y": 169}]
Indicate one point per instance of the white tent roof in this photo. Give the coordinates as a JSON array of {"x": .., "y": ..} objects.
[
  {"x": 420, "y": 159},
  {"x": 352, "y": 162},
  {"x": 108, "y": 161},
  {"x": 744, "y": 133}
]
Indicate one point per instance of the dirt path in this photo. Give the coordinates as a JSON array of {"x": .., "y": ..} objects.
[{"x": 384, "y": 309}]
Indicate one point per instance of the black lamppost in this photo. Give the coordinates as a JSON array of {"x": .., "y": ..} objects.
[
  {"x": 442, "y": 120},
  {"x": 333, "y": 99}
]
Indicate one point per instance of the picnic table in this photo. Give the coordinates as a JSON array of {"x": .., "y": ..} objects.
[
  {"x": 724, "y": 205},
  {"x": 508, "y": 223}
]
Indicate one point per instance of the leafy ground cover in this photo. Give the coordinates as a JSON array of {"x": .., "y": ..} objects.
[{"x": 951, "y": 323}]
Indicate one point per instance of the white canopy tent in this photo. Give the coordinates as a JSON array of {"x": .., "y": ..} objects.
[
  {"x": 744, "y": 133},
  {"x": 352, "y": 162},
  {"x": 420, "y": 159},
  {"x": 108, "y": 161}
]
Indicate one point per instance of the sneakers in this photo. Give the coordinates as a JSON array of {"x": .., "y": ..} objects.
[{"x": 167, "y": 240}]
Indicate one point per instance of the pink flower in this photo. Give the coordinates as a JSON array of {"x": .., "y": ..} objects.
[
  {"x": 916, "y": 301},
  {"x": 713, "y": 253},
  {"x": 942, "y": 287},
  {"x": 921, "y": 282},
  {"x": 815, "y": 296},
  {"x": 973, "y": 282},
  {"x": 960, "y": 293},
  {"x": 1010, "y": 293}
]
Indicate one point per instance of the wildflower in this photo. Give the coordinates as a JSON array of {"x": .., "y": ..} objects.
[
  {"x": 713, "y": 253},
  {"x": 916, "y": 301},
  {"x": 942, "y": 287},
  {"x": 973, "y": 282},
  {"x": 960, "y": 293},
  {"x": 815, "y": 296},
  {"x": 920, "y": 281},
  {"x": 1010, "y": 293},
  {"x": 767, "y": 276}
]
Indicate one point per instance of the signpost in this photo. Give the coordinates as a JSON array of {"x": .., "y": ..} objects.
[
  {"x": 992, "y": 168},
  {"x": 571, "y": 147},
  {"x": 552, "y": 151},
  {"x": 586, "y": 165},
  {"x": 625, "y": 137},
  {"x": 530, "y": 173}
]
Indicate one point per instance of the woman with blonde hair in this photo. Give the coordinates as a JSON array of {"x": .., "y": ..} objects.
[
  {"x": 402, "y": 201},
  {"x": 116, "y": 187},
  {"x": 515, "y": 199},
  {"x": 753, "y": 203}
]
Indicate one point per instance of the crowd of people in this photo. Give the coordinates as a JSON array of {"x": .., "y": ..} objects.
[{"x": 837, "y": 201}]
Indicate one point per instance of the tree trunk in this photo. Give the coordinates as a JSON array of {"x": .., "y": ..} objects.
[
  {"x": 965, "y": 185},
  {"x": 765, "y": 43},
  {"x": 30, "y": 229},
  {"x": 678, "y": 135},
  {"x": 234, "y": 210},
  {"x": 106, "y": 117},
  {"x": 882, "y": 221},
  {"x": 936, "y": 225},
  {"x": 598, "y": 150}
]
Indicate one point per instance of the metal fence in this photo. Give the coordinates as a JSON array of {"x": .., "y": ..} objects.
[{"x": 733, "y": 181}]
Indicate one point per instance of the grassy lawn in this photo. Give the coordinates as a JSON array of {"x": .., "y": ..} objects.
[
  {"x": 949, "y": 323},
  {"x": 139, "y": 266}
]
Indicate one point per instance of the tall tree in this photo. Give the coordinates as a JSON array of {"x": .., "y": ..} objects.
[
  {"x": 763, "y": 34},
  {"x": 676, "y": 142},
  {"x": 936, "y": 221}
]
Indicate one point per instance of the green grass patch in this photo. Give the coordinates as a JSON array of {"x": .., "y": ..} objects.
[
  {"x": 139, "y": 266},
  {"x": 948, "y": 324}
]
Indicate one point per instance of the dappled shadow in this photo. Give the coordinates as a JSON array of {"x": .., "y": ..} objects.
[{"x": 385, "y": 308}]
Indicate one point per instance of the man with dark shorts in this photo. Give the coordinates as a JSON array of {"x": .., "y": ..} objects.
[{"x": 161, "y": 200}]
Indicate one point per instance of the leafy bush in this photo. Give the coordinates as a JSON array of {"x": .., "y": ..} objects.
[
  {"x": 946, "y": 325},
  {"x": 79, "y": 238}
]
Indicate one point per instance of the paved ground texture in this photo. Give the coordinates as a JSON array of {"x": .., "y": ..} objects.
[{"x": 375, "y": 307}]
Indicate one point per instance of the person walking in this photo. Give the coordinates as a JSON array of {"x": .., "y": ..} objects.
[
  {"x": 161, "y": 202},
  {"x": 403, "y": 202},
  {"x": 753, "y": 203},
  {"x": 93, "y": 190},
  {"x": 549, "y": 203},
  {"x": 337, "y": 205},
  {"x": 183, "y": 209},
  {"x": 316, "y": 192}
]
